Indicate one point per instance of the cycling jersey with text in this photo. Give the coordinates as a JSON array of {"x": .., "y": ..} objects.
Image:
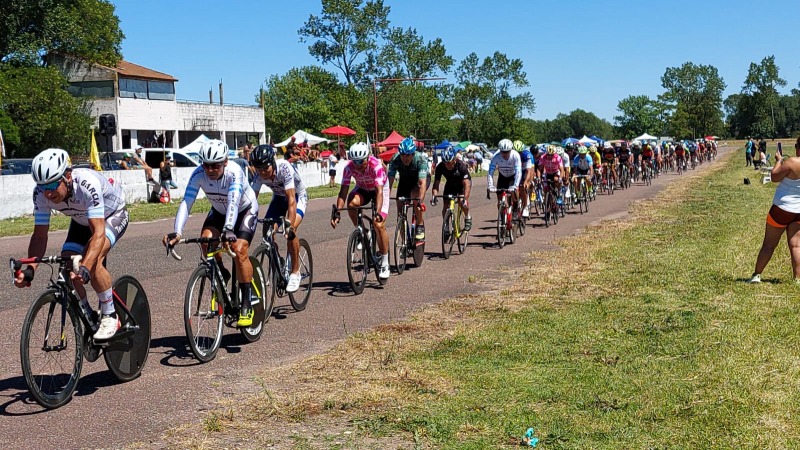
[
  {"x": 93, "y": 197},
  {"x": 286, "y": 177}
]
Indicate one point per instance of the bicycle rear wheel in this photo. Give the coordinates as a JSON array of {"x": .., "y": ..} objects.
[
  {"x": 357, "y": 264},
  {"x": 501, "y": 227},
  {"x": 253, "y": 332},
  {"x": 447, "y": 234},
  {"x": 299, "y": 299},
  {"x": 400, "y": 245},
  {"x": 51, "y": 356},
  {"x": 202, "y": 314},
  {"x": 585, "y": 195},
  {"x": 126, "y": 357},
  {"x": 463, "y": 235}
]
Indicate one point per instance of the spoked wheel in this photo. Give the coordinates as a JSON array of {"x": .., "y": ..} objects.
[
  {"x": 501, "y": 227},
  {"x": 357, "y": 264},
  {"x": 546, "y": 210},
  {"x": 554, "y": 207},
  {"x": 400, "y": 245},
  {"x": 203, "y": 310},
  {"x": 270, "y": 279},
  {"x": 510, "y": 226},
  {"x": 258, "y": 287},
  {"x": 448, "y": 236},
  {"x": 585, "y": 195},
  {"x": 463, "y": 234},
  {"x": 51, "y": 355},
  {"x": 299, "y": 299},
  {"x": 125, "y": 358},
  {"x": 521, "y": 224},
  {"x": 376, "y": 262}
]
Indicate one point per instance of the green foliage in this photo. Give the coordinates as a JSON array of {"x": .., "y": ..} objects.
[
  {"x": 696, "y": 92},
  {"x": 44, "y": 113},
  {"x": 88, "y": 29},
  {"x": 414, "y": 108},
  {"x": 311, "y": 98},
  {"x": 406, "y": 55},
  {"x": 346, "y": 35},
  {"x": 640, "y": 115},
  {"x": 10, "y": 131},
  {"x": 760, "y": 110}
]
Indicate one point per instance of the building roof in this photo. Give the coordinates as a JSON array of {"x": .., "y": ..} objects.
[{"x": 129, "y": 69}]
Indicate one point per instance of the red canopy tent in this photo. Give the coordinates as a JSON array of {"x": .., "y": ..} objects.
[
  {"x": 393, "y": 140},
  {"x": 387, "y": 155}
]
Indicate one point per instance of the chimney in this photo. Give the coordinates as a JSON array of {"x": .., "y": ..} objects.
[
  {"x": 220, "y": 93},
  {"x": 210, "y": 96}
]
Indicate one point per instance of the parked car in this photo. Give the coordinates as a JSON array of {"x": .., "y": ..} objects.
[
  {"x": 154, "y": 156},
  {"x": 17, "y": 166}
]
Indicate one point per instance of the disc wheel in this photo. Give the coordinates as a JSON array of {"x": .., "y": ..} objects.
[
  {"x": 125, "y": 358},
  {"x": 51, "y": 367}
]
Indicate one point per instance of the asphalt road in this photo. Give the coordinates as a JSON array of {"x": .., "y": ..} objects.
[{"x": 175, "y": 389}]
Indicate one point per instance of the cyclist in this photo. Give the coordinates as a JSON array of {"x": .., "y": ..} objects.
[
  {"x": 459, "y": 182},
  {"x": 289, "y": 198},
  {"x": 647, "y": 155},
  {"x": 637, "y": 153},
  {"x": 99, "y": 218},
  {"x": 372, "y": 185},
  {"x": 680, "y": 155},
  {"x": 610, "y": 162},
  {"x": 693, "y": 152},
  {"x": 566, "y": 163},
  {"x": 414, "y": 176},
  {"x": 234, "y": 210},
  {"x": 596, "y": 161},
  {"x": 582, "y": 165},
  {"x": 526, "y": 161},
  {"x": 509, "y": 167},
  {"x": 624, "y": 157},
  {"x": 551, "y": 169}
]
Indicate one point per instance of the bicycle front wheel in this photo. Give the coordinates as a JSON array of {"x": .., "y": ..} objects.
[
  {"x": 400, "y": 245},
  {"x": 501, "y": 227},
  {"x": 447, "y": 234},
  {"x": 270, "y": 280},
  {"x": 51, "y": 350},
  {"x": 299, "y": 299},
  {"x": 461, "y": 218},
  {"x": 125, "y": 358},
  {"x": 202, "y": 314},
  {"x": 357, "y": 264}
]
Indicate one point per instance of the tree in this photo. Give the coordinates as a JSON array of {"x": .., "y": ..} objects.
[
  {"x": 415, "y": 108},
  {"x": 44, "y": 113},
  {"x": 87, "y": 29},
  {"x": 311, "y": 98},
  {"x": 695, "y": 91},
  {"x": 346, "y": 35},
  {"x": 640, "y": 114},
  {"x": 761, "y": 85},
  {"x": 406, "y": 55}
]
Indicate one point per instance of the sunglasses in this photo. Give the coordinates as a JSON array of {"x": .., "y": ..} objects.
[
  {"x": 212, "y": 166},
  {"x": 358, "y": 162},
  {"x": 50, "y": 186}
]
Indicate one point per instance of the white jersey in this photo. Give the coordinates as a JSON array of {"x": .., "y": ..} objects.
[
  {"x": 511, "y": 167},
  {"x": 286, "y": 177},
  {"x": 92, "y": 197},
  {"x": 229, "y": 195}
]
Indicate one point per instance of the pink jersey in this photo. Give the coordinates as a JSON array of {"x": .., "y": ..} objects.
[
  {"x": 372, "y": 176},
  {"x": 551, "y": 163}
]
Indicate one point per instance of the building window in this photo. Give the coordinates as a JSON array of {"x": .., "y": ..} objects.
[
  {"x": 161, "y": 90},
  {"x": 130, "y": 88},
  {"x": 95, "y": 89}
]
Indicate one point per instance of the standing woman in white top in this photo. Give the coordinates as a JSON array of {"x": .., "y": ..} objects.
[{"x": 784, "y": 215}]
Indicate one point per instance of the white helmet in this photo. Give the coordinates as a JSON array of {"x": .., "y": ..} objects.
[
  {"x": 358, "y": 151},
  {"x": 214, "y": 151},
  {"x": 560, "y": 151},
  {"x": 505, "y": 145},
  {"x": 49, "y": 165}
]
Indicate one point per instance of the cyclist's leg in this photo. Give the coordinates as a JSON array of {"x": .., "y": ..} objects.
[
  {"x": 355, "y": 199},
  {"x": 244, "y": 228},
  {"x": 294, "y": 244}
]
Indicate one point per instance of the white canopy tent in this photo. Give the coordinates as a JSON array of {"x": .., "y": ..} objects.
[
  {"x": 645, "y": 137},
  {"x": 300, "y": 136},
  {"x": 196, "y": 144},
  {"x": 586, "y": 140}
]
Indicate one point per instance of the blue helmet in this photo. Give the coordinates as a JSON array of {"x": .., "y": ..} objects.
[
  {"x": 448, "y": 154},
  {"x": 407, "y": 146}
]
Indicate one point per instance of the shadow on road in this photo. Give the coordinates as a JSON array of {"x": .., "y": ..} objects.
[
  {"x": 175, "y": 350},
  {"x": 335, "y": 288}
]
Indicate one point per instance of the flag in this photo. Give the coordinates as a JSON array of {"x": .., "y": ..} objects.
[
  {"x": 2, "y": 147},
  {"x": 94, "y": 155}
]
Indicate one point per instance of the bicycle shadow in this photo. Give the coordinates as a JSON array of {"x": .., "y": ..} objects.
[
  {"x": 283, "y": 311},
  {"x": 176, "y": 351},
  {"x": 334, "y": 288}
]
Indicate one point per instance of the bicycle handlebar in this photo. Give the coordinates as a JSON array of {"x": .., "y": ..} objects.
[
  {"x": 405, "y": 199},
  {"x": 200, "y": 240},
  {"x": 449, "y": 196}
]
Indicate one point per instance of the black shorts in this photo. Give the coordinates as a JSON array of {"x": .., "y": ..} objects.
[
  {"x": 332, "y": 172},
  {"x": 78, "y": 235},
  {"x": 504, "y": 182},
  {"x": 244, "y": 227},
  {"x": 405, "y": 189}
]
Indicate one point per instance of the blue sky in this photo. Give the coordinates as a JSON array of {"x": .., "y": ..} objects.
[{"x": 577, "y": 53}]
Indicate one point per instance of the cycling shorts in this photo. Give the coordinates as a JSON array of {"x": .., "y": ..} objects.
[
  {"x": 504, "y": 182},
  {"x": 581, "y": 172},
  {"x": 779, "y": 218},
  {"x": 405, "y": 189},
  {"x": 244, "y": 227},
  {"x": 279, "y": 206},
  {"x": 368, "y": 196},
  {"x": 78, "y": 235}
]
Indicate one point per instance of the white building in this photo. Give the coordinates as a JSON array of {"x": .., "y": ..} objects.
[{"x": 147, "y": 112}]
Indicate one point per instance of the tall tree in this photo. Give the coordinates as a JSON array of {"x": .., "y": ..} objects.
[
  {"x": 407, "y": 55},
  {"x": 88, "y": 29},
  {"x": 695, "y": 91},
  {"x": 761, "y": 85},
  {"x": 347, "y": 35},
  {"x": 639, "y": 115}
]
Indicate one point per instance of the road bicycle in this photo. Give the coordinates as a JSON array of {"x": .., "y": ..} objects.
[
  {"x": 405, "y": 242},
  {"x": 582, "y": 193},
  {"x": 505, "y": 220},
  {"x": 58, "y": 331},
  {"x": 647, "y": 173},
  {"x": 208, "y": 306},
  {"x": 537, "y": 197},
  {"x": 607, "y": 180},
  {"x": 362, "y": 249},
  {"x": 277, "y": 268},
  {"x": 624, "y": 176},
  {"x": 453, "y": 225},
  {"x": 550, "y": 204}
]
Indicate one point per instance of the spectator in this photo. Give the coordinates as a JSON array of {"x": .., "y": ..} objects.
[
  {"x": 784, "y": 215},
  {"x": 748, "y": 152},
  {"x": 126, "y": 164},
  {"x": 478, "y": 160},
  {"x": 332, "y": 161},
  {"x": 139, "y": 161},
  {"x": 165, "y": 173}
]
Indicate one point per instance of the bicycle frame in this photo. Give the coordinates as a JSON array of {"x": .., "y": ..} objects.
[
  {"x": 373, "y": 258},
  {"x": 408, "y": 202},
  {"x": 275, "y": 259}
]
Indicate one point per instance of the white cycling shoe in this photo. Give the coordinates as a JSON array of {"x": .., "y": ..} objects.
[
  {"x": 108, "y": 327},
  {"x": 384, "y": 272},
  {"x": 294, "y": 283}
]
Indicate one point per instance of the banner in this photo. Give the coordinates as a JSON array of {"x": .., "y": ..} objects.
[{"x": 94, "y": 154}]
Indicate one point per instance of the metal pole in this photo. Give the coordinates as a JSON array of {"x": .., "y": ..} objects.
[{"x": 375, "y": 105}]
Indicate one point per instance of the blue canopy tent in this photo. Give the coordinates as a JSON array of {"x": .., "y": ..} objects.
[
  {"x": 443, "y": 145},
  {"x": 569, "y": 140},
  {"x": 600, "y": 141}
]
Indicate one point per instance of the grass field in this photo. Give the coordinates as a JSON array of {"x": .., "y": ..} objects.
[{"x": 142, "y": 212}]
